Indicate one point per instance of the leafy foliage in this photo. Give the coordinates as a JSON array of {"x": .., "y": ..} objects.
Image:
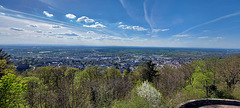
[
  {"x": 149, "y": 71},
  {"x": 11, "y": 89},
  {"x": 150, "y": 94},
  {"x": 135, "y": 102},
  {"x": 5, "y": 56},
  {"x": 6, "y": 68},
  {"x": 145, "y": 86},
  {"x": 32, "y": 94},
  {"x": 201, "y": 81}
]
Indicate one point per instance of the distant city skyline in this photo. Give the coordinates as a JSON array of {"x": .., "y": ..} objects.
[{"x": 144, "y": 23}]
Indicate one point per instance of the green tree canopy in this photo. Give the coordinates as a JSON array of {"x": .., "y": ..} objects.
[
  {"x": 5, "y": 56},
  {"x": 11, "y": 88}
]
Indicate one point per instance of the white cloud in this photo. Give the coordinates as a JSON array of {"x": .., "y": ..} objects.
[
  {"x": 47, "y": 14},
  {"x": 89, "y": 20},
  {"x": 138, "y": 28},
  {"x": 82, "y": 18},
  {"x": 3, "y": 13},
  {"x": 70, "y": 16},
  {"x": 106, "y": 37},
  {"x": 49, "y": 35},
  {"x": 96, "y": 25},
  {"x": 157, "y": 30},
  {"x": 164, "y": 29},
  {"x": 120, "y": 22},
  {"x": 123, "y": 26},
  {"x": 183, "y": 35},
  {"x": 203, "y": 37},
  {"x": 85, "y": 19}
]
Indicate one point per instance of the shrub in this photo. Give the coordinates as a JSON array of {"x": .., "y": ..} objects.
[{"x": 150, "y": 94}]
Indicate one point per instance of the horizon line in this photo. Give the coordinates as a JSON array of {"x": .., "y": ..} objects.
[{"x": 64, "y": 45}]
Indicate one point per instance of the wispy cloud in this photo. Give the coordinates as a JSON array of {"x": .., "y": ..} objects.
[
  {"x": 90, "y": 32},
  {"x": 82, "y": 18},
  {"x": 146, "y": 14},
  {"x": 85, "y": 19},
  {"x": 184, "y": 35},
  {"x": 69, "y": 34},
  {"x": 33, "y": 25},
  {"x": 56, "y": 26},
  {"x": 157, "y": 30},
  {"x": 70, "y": 16},
  {"x": 206, "y": 31},
  {"x": 217, "y": 38},
  {"x": 39, "y": 31},
  {"x": 16, "y": 29},
  {"x": 89, "y": 20},
  {"x": 31, "y": 16},
  {"x": 164, "y": 29},
  {"x": 212, "y": 21},
  {"x": 123, "y": 4},
  {"x": 60, "y": 37},
  {"x": 137, "y": 28},
  {"x": 2, "y": 13},
  {"x": 46, "y": 32},
  {"x": 203, "y": 37},
  {"x": 96, "y": 25},
  {"x": 47, "y": 14}
]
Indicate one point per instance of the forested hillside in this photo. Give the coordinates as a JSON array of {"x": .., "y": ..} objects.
[{"x": 146, "y": 86}]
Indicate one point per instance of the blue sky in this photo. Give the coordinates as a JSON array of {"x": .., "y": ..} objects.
[{"x": 151, "y": 23}]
